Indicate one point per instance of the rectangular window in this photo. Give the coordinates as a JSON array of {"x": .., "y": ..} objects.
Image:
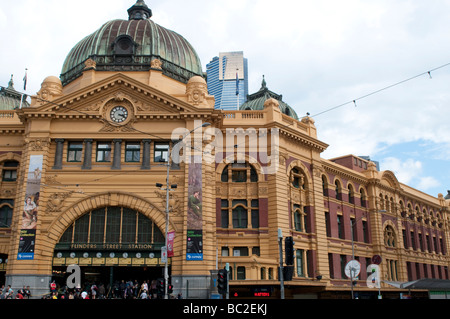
[
  {"x": 240, "y": 273},
  {"x": 74, "y": 151},
  {"x": 327, "y": 223},
  {"x": 161, "y": 152},
  {"x": 340, "y": 227},
  {"x": 9, "y": 175},
  {"x": 132, "y": 152},
  {"x": 365, "y": 231},
  {"x": 240, "y": 251},
  {"x": 240, "y": 218},
  {"x": 343, "y": 264},
  {"x": 224, "y": 213},
  {"x": 103, "y": 152},
  {"x": 225, "y": 252},
  {"x": 300, "y": 262},
  {"x": 413, "y": 242}
]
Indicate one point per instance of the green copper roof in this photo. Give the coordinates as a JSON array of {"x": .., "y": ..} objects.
[
  {"x": 10, "y": 98},
  {"x": 256, "y": 101},
  {"x": 130, "y": 45}
]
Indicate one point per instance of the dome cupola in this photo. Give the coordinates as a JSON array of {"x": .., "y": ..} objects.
[
  {"x": 256, "y": 101},
  {"x": 132, "y": 45}
]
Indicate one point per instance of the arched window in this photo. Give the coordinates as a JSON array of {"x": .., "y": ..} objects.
[
  {"x": 389, "y": 237},
  {"x": 351, "y": 194},
  {"x": 362, "y": 195},
  {"x": 324, "y": 186},
  {"x": 297, "y": 178},
  {"x": 112, "y": 225},
  {"x": 337, "y": 187}
]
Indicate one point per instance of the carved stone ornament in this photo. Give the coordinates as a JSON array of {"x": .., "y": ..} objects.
[
  {"x": 56, "y": 201},
  {"x": 174, "y": 201},
  {"x": 156, "y": 64},
  {"x": 51, "y": 88},
  {"x": 7, "y": 192},
  {"x": 90, "y": 64},
  {"x": 37, "y": 144},
  {"x": 196, "y": 90}
]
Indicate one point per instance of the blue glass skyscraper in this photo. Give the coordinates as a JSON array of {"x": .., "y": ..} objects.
[{"x": 227, "y": 80}]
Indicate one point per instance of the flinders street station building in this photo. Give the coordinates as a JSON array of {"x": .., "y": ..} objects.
[{"x": 122, "y": 163}]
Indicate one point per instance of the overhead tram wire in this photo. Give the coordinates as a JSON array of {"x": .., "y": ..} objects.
[
  {"x": 320, "y": 113},
  {"x": 353, "y": 101}
]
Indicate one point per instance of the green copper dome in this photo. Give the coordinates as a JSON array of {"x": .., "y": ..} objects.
[
  {"x": 131, "y": 45},
  {"x": 256, "y": 101},
  {"x": 10, "y": 98}
]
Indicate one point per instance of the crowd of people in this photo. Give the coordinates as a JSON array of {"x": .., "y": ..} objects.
[
  {"x": 8, "y": 293},
  {"x": 118, "y": 290}
]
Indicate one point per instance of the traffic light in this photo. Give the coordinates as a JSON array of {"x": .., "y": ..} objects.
[
  {"x": 170, "y": 289},
  {"x": 222, "y": 279},
  {"x": 160, "y": 286},
  {"x": 289, "y": 250}
]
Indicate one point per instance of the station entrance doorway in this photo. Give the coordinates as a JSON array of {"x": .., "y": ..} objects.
[{"x": 110, "y": 244}]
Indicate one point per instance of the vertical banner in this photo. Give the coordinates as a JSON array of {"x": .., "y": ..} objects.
[
  {"x": 170, "y": 238},
  {"x": 194, "y": 249},
  {"x": 30, "y": 209}
]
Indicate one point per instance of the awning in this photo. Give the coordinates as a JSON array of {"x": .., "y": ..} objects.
[{"x": 428, "y": 284}]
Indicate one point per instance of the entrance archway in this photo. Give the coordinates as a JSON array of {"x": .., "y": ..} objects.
[{"x": 111, "y": 244}]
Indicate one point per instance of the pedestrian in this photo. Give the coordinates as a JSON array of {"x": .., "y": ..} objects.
[{"x": 27, "y": 292}]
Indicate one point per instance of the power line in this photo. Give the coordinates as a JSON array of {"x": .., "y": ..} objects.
[{"x": 353, "y": 101}]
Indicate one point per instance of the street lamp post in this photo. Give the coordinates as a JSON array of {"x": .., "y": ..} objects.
[{"x": 168, "y": 189}]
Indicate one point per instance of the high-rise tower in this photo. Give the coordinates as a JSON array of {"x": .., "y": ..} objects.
[{"x": 227, "y": 79}]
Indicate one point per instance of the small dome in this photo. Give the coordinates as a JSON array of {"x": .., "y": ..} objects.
[
  {"x": 52, "y": 79},
  {"x": 10, "y": 98},
  {"x": 131, "y": 45},
  {"x": 256, "y": 101},
  {"x": 197, "y": 79}
]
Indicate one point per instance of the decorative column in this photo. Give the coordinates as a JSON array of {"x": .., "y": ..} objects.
[
  {"x": 117, "y": 152},
  {"x": 87, "y": 164},
  {"x": 59, "y": 153},
  {"x": 146, "y": 154}
]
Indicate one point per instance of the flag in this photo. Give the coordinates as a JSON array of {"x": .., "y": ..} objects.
[
  {"x": 237, "y": 84},
  {"x": 170, "y": 239},
  {"x": 25, "y": 80}
]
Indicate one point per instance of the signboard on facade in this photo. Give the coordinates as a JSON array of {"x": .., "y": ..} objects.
[
  {"x": 194, "y": 235},
  {"x": 27, "y": 238}
]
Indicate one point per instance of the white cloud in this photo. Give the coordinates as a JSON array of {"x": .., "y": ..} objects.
[
  {"x": 404, "y": 170},
  {"x": 428, "y": 182}
]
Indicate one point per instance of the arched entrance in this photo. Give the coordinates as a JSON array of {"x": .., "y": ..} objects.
[{"x": 110, "y": 244}]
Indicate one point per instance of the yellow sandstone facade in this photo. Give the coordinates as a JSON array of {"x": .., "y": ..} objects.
[{"x": 90, "y": 153}]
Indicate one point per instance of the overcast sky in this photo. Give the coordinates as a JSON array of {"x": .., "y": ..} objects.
[{"x": 318, "y": 54}]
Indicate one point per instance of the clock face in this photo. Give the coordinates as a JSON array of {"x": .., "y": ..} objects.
[{"x": 119, "y": 114}]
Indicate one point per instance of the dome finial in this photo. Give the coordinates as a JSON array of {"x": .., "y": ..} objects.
[
  {"x": 139, "y": 11},
  {"x": 11, "y": 83}
]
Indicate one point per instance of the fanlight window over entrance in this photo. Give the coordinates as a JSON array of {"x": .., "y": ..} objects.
[{"x": 112, "y": 227}]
